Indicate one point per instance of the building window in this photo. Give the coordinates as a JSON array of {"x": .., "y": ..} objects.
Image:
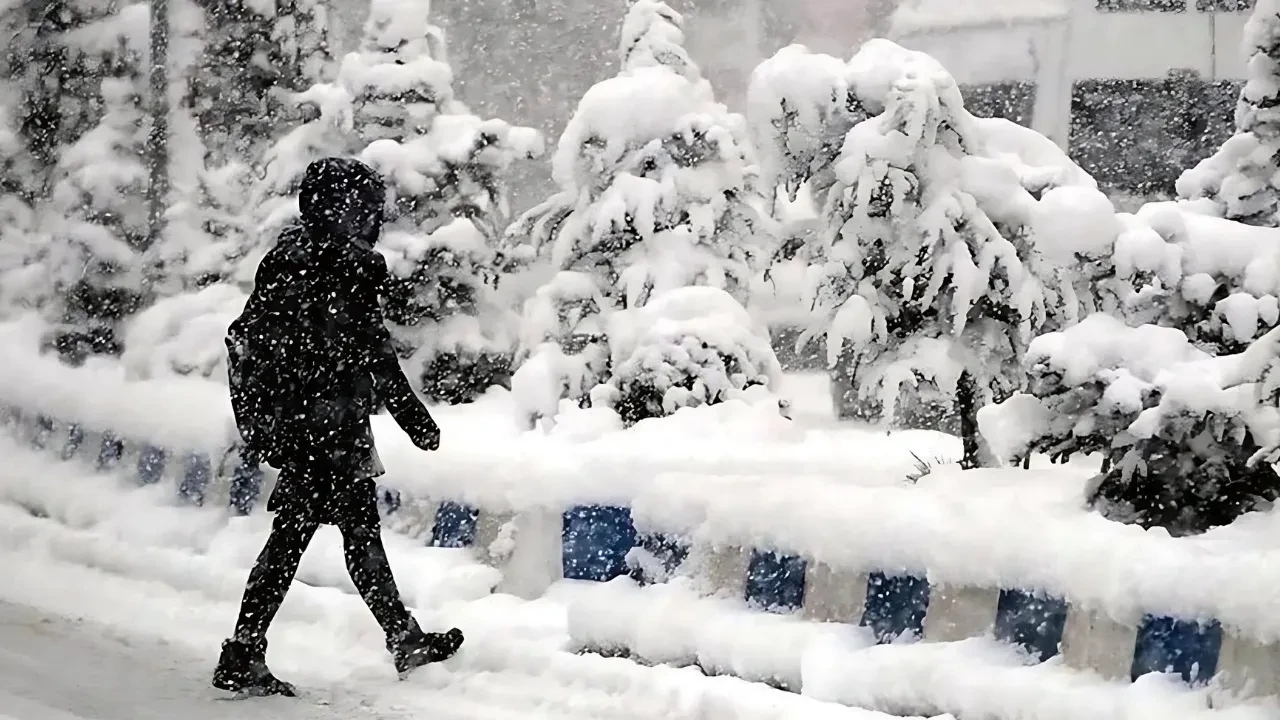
[{"x": 1142, "y": 5}]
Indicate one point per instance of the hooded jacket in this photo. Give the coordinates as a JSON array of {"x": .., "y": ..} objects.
[{"x": 321, "y": 283}]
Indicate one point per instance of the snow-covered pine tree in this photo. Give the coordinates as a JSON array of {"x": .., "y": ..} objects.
[
  {"x": 1242, "y": 179},
  {"x": 325, "y": 131},
  {"x": 1181, "y": 433},
  {"x": 445, "y": 171},
  {"x": 17, "y": 166},
  {"x": 17, "y": 220},
  {"x": 52, "y": 64},
  {"x": 930, "y": 278},
  {"x": 802, "y": 105},
  {"x": 98, "y": 216},
  {"x": 256, "y": 52},
  {"x": 650, "y": 202}
]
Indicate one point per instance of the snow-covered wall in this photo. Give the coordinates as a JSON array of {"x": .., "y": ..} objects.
[{"x": 743, "y": 514}]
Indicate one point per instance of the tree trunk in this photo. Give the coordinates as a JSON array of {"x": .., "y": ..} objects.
[
  {"x": 158, "y": 141},
  {"x": 967, "y": 408}
]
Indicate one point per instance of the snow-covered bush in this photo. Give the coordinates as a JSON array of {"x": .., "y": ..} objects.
[
  {"x": 1180, "y": 432},
  {"x": 1242, "y": 180},
  {"x": 688, "y": 347},
  {"x": 650, "y": 200},
  {"x": 948, "y": 241},
  {"x": 1216, "y": 280},
  {"x": 447, "y": 316},
  {"x": 183, "y": 334},
  {"x": 210, "y": 230}
]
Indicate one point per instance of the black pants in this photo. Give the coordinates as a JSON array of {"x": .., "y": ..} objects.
[{"x": 298, "y": 516}]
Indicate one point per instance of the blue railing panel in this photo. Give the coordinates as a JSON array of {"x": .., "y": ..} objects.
[
  {"x": 1032, "y": 621},
  {"x": 775, "y": 582},
  {"x": 595, "y": 542},
  {"x": 195, "y": 478},
  {"x": 895, "y": 606},
  {"x": 1188, "y": 648},
  {"x": 455, "y": 526},
  {"x": 75, "y": 438},
  {"x": 110, "y": 452},
  {"x": 151, "y": 463},
  {"x": 246, "y": 487}
]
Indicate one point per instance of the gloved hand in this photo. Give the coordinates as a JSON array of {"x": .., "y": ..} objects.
[{"x": 426, "y": 437}]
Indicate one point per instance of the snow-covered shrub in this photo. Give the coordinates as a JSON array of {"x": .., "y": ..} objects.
[
  {"x": 212, "y": 231},
  {"x": 656, "y": 193},
  {"x": 445, "y": 171},
  {"x": 1242, "y": 180},
  {"x": 1179, "y": 431},
  {"x": 688, "y": 347},
  {"x": 948, "y": 243},
  {"x": 1216, "y": 280},
  {"x": 183, "y": 334}
]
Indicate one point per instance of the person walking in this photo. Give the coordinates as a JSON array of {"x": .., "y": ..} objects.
[{"x": 309, "y": 359}]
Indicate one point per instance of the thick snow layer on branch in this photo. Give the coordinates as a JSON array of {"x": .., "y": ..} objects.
[
  {"x": 606, "y": 117},
  {"x": 183, "y": 334},
  {"x": 421, "y": 79},
  {"x": 800, "y": 108},
  {"x": 1101, "y": 342}
]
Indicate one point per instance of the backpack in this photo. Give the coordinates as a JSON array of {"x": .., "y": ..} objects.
[{"x": 275, "y": 365}]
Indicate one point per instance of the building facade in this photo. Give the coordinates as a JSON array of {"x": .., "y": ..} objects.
[{"x": 1135, "y": 90}]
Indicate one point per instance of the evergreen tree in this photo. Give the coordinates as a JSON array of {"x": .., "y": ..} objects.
[
  {"x": 1242, "y": 179},
  {"x": 93, "y": 255},
  {"x": 255, "y": 54},
  {"x": 925, "y": 284},
  {"x": 802, "y": 105},
  {"x": 445, "y": 170},
  {"x": 325, "y": 131},
  {"x": 649, "y": 202},
  {"x": 17, "y": 220},
  {"x": 51, "y": 67}
]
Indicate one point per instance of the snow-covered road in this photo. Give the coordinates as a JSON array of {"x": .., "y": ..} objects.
[{"x": 113, "y": 602}]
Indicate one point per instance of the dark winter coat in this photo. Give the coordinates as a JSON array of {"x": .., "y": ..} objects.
[{"x": 322, "y": 279}]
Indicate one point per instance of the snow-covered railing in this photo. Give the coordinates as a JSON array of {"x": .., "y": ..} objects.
[{"x": 799, "y": 541}]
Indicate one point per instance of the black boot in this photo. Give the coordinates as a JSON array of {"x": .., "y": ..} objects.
[
  {"x": 415, "y": 648},
  {"x": 242, "y": 668}
]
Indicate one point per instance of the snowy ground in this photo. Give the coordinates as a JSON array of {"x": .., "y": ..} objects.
[{"x": 112, "y": 605}]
